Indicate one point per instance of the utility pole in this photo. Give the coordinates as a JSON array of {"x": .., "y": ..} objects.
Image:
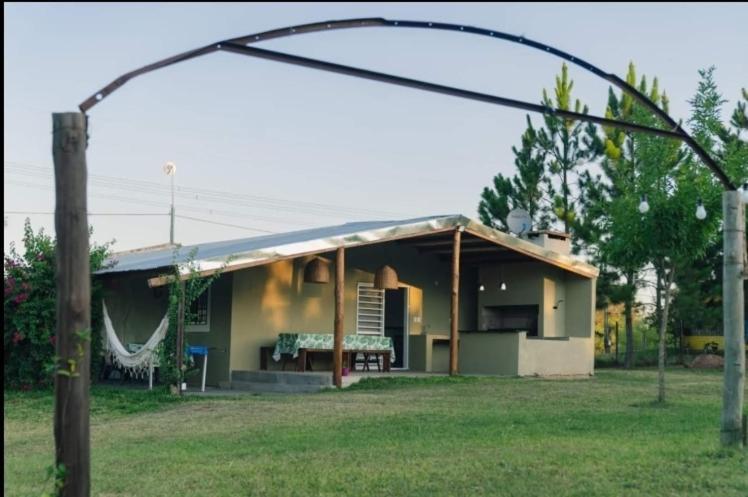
[{"x": 171, "y": 169}]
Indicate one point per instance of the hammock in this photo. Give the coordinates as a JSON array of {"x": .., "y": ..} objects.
[{"x": 137, "y": 362}]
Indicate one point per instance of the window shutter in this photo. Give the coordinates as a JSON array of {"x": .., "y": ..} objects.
[{"x": 369, "y": 310}]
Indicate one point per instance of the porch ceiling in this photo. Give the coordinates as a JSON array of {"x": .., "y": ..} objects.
[{"x": 474, "y": 250}]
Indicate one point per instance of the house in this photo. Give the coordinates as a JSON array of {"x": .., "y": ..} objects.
[{"x": 524, "y": 306}]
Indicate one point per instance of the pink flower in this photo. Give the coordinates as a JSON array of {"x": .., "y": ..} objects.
[
  {"x": 17, "y": 337},
  {"x": 21, "y": 298}
]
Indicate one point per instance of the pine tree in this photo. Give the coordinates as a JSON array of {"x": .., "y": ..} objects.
[
  {"x": 524, "y": 190},
  {"x": 568, "y": 145}
]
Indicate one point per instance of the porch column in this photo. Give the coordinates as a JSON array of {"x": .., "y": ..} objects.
[
  {"x": 337, "y": 352},
  {"x": 454, "y": 311}
]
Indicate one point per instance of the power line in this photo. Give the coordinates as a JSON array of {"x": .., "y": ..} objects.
[
  {"x": 223, "y": 224},
  {"x": 214, "y": 195},
  {"x": 130, "y": 200},
  {"x": 91, "y": 213}
]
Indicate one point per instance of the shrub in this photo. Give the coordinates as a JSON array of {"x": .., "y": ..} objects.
[{"x": 29, "y": 310}]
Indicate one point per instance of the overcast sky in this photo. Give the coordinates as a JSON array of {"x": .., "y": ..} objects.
[{"x": 286, "y": 147}]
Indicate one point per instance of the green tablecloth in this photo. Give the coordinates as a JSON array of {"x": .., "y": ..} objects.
[{"x": 290, "y": 343}]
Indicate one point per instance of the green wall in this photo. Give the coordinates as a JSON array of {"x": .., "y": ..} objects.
[{"x": 136, "y": 310}]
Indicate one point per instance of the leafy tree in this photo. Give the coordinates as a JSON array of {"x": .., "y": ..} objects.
[
  {"x": 29, "y": 310},
  {"x": 522, "y": 191},
  {"x": 698, "y": 299},
  {"x": 609, "y": 218}
]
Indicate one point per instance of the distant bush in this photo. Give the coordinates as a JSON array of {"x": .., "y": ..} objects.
[{"x": 29, "y": 311}]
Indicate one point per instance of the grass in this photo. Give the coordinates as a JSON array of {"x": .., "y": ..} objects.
[{"x": 399, "y": 436}]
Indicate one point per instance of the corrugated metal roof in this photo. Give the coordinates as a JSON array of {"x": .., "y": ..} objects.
[{"x": 246, "y": 252}]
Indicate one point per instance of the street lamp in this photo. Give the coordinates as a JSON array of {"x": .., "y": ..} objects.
[{"x": 170, "y": 169}]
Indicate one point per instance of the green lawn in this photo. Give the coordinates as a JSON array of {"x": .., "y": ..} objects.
[{"x": 409, "y": 437}]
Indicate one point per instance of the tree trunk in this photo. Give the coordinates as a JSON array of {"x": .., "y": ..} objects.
[
  {"x": 658, "y": 296},
  {"x": 629, "y": 317},
  {"x": 73, "y": 334},
  {"x": 663, "y": 328}
]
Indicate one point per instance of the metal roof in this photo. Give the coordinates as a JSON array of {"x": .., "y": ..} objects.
[{"x": 232, "y": 255}]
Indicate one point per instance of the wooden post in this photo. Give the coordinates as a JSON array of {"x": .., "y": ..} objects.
[
  {"x": 180, "y": 335},
  {"x": 454, "y": 309},
  {"x": 734, "y": 316},
  {"x": 337, "y": 352},
  {"x": 72, "y": 377}
]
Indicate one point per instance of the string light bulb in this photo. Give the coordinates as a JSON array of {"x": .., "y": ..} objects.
[
  {"x": 700, "y": 210},
  {"x": 644, "y": 205}
]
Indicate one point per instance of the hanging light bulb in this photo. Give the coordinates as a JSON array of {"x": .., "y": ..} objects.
[
  {"x": 744, "y": 193},
  {"x": 482, "y": 288},
  {"x": 502, "y": 286},
  {"x": 644, "y": 205},
  {"x": 700, "y": 210}
]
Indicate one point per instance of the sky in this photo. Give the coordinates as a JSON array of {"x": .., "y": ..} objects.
[{"x": 267, "y": 147}]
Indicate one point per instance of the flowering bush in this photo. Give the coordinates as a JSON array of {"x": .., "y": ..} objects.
[{"x": 29, "y": 309}]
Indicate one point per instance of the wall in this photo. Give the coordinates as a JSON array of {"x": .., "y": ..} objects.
[
  {"x": 560, "y": 356},
  {"x": 136, "y": 310},
  {"x": 218, "y": 339},
  {"x": 489, "y": 353},
  {"x": 272, "y": 299},
  {"x": 580, "y": 308},
  {"x": 511, "y": 354},
  {"x": 527, "y": 283}
]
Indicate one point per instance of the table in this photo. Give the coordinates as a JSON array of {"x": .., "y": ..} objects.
[
  {"x": 200, "y": 350},
  {"x": 298, "y": 344}
]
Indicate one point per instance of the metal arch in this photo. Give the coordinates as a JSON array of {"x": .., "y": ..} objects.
[{"x": 238, "y": 45}]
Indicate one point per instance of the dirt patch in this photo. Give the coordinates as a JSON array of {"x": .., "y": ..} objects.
[{"x": 707, "y": 361}]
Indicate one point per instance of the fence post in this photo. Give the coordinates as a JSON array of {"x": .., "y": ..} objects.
[{"x": 73, "y": 333}]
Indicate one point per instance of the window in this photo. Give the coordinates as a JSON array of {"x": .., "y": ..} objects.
[
  {"x": 369, "y": 310},
  {"x": 199, "y": 318}
]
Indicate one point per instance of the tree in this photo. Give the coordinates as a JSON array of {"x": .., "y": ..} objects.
[
  {"x": 567, "y": 145},
  {"x": 698, "y": 297},
  {"x": 522, "y": 191},
  {"x": 608, "y": 216}
]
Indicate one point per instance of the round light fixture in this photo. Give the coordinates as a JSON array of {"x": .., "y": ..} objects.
[{"x": 644, "y": 205}]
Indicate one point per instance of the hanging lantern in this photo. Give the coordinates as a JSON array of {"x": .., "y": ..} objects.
[
  {"x": 317, "y": 271},
  {"x": 385, "y": 278}
]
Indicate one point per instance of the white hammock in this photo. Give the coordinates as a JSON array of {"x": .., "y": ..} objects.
[{"x": 143, "y": 359}]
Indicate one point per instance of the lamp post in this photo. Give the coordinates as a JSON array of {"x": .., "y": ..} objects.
[{"x": 171, "y": 169}]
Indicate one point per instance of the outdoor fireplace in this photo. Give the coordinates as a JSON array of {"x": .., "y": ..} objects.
[{"x": 510, "y": 318}]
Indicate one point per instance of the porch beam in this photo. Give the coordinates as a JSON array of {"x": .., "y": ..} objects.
[
  {"x": 483, "y": 249},
  {"x": 337, "y": 352},
  {"x": 454, "y": 311},
  {"x": 441, "y": 242}
]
